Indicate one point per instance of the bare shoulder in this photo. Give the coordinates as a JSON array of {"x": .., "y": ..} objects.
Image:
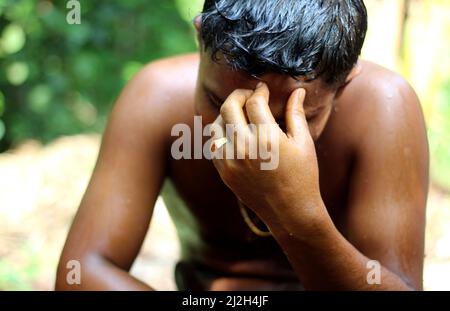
[
  {"x": 382, "y": 107},
  {"x": 160, "y": 94},
  {"x": 173, "y": 75}
]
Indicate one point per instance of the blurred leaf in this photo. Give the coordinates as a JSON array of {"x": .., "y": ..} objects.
[
  {"x": 130, "y": 69},
  {"x": 13, "y": 39},
  {"x": 39, "y": 98},
  {"x": 17, "y": 73}
]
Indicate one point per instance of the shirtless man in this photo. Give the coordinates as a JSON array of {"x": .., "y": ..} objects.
[{"x": 350, "y": 188}]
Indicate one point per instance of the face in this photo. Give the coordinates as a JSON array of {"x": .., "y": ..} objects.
[{"x": 216, "y": 81}]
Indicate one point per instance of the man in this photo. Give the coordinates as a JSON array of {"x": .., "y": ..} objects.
[{"x": 343, "y": 210}]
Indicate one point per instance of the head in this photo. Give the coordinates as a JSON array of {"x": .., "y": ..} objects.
[{"x": 313, "y": 44}]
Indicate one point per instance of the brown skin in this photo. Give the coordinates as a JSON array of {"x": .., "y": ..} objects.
[{"x": 351, "y": 185}]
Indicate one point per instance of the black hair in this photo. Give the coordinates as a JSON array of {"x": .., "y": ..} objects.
[{"x": 302, "y": 38}]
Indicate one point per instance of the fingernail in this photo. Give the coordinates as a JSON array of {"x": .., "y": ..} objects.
[{"x": 260, "y": 84}]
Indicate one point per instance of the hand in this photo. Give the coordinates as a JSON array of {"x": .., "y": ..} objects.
[{"x": 290, "y": 188}]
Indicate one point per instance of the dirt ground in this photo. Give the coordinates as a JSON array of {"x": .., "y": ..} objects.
[{"x": 40, "y": 189}]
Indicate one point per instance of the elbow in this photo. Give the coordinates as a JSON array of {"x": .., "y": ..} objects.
[
  {"x": 73, "y": 269},
  {"x": 68, "y": 273}
]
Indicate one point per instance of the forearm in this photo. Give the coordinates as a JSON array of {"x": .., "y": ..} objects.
[
  {"x": 323, "y": 259},
  {"x": 98, "y": 273}
]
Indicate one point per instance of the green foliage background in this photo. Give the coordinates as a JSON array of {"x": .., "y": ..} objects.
[{"x": 60, "y": 79}]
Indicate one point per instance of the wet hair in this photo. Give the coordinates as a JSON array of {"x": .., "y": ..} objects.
[{"x": 305, "y": 39}]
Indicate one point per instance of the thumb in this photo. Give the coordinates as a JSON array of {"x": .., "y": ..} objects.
[{"x": 296, "y": 124}]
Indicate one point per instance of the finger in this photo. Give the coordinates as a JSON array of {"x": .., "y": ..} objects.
[
  {"x": 218, "y": 135},
  {"x": 242, "y": 143},
  {"x": 257, "y": 106},
  {"x": 231, "y": 110},
  {"x": 217, "y": 147},
  {"x": 219, "y": 164},
  {"x": 296, "y": 123},
  {"x": 231, "y": 137},
  {"x": 218, "y": 143}
]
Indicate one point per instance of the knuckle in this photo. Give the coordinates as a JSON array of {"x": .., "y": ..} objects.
[
  {"x": 239, "y": 93},
  {"x": 243, "y": 92},
  {"x": 225, "y": 108},
  {"x": 255, "y": 100}
]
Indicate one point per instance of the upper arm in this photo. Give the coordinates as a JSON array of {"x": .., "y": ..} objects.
[
  {"x": 385, "y": 216},
  {"x": 115, "y": 212}
]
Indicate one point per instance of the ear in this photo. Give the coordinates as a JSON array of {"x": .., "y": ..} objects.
[
  {"x": 197, "y": 21},
  {"x": 356, "y": 70}
]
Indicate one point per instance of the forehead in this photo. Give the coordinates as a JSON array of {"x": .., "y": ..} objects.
[{"x": 220, "y": 78}]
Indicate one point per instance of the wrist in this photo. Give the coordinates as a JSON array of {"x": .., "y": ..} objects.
[{"x": 303, "y": 221}]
